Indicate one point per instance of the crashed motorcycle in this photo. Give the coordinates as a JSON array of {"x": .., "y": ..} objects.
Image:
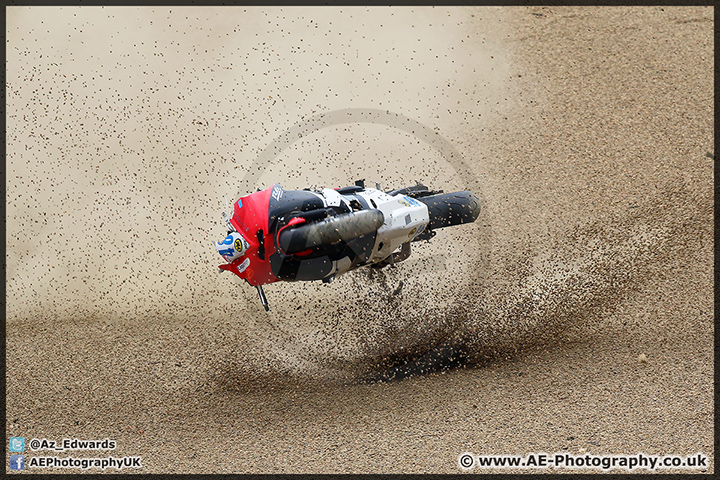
[{"x": 305, "y": 235}]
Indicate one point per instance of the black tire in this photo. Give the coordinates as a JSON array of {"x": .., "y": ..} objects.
[
  {"x": 329, "y": 231},
  {"x": 449, "y": 209}
]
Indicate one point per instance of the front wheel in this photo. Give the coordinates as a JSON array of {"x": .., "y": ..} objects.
[{"x": 448, "y": 209}]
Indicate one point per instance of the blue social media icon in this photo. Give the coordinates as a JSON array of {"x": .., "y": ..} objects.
[
  {"x": 17, "y": 444},
  {"x": 17, "y": 462}
]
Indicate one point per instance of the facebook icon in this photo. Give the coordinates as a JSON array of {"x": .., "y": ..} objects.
[{"x": 17, "y": 462}]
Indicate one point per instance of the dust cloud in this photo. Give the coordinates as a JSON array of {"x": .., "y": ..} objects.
[{"x": 126, "y": 131}]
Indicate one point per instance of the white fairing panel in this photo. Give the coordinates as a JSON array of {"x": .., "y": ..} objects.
[
  {"x": 405, "y": 219},
  {"x": 332, "y": 198}
]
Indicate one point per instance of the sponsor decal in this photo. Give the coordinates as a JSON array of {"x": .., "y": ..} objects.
[
  {"x": 412, "y": 201},
  {"x": 243, "y": 265}
]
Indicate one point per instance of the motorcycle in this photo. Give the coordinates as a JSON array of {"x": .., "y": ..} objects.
[{"x": 305, "y": 235}]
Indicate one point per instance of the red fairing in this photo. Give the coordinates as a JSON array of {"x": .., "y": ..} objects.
[{"x": 250, "y": 215}]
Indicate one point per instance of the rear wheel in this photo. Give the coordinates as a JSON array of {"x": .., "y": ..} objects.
[{"x": 450, "y": 209}]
